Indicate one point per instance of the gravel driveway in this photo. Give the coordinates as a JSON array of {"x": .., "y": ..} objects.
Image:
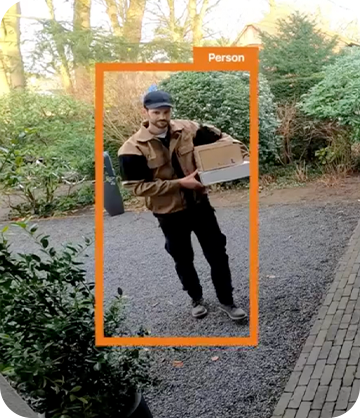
[{"x": 299, "y": 249}]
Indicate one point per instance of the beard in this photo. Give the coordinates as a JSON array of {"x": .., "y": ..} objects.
[{"x": 161, "y": 124}]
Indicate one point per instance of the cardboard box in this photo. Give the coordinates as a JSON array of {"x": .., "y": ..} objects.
[
  {"x": 221, "y": 154},
  {"x": 222, "y": 175},
  {"x": 221, "y": 162}
]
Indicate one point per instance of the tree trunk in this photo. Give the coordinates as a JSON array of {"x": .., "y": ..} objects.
[
  {"x": 4, "y": 83},
  {"x": 81, "y": 25},
  {"x": 112, "y": 12},
  {"x": 64, "y": 70},
  {"x": 197, "y": 20},
  {"x": 132, "y": 29},
  {"x": 10, "y": 45}
]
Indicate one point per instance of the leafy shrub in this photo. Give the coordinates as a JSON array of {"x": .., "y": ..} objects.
[
  {"x": 337, "y": 96},
  {"x": 222, "y": 99},
  {"x": 47, "y": 349},
  {"x": 82, "y": 197},
  {"x": 52, "y": 126},
  {"x": 36, "y": 182}
]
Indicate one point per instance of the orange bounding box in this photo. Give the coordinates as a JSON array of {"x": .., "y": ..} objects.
[{"x": 205, "y": 59}]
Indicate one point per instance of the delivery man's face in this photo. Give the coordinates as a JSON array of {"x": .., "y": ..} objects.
[{"x": 159, "y": 117}]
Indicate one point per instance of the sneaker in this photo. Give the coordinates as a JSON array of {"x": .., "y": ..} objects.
[
  {"x": 198, "y": 310},
  {"x": 235, "y": 313}
]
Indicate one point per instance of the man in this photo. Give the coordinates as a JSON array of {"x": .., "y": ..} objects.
[{"x": 158, "y": 164}]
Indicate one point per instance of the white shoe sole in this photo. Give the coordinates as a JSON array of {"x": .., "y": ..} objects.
[{"x": 200, "y": 315}]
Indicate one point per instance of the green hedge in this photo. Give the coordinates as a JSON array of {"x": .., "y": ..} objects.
[
  {"x": 293, "y": 88},
  {"x": 52, "y": 126},
  {"x": 222, "y": 99}
]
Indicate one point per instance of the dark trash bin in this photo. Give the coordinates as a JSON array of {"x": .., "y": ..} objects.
[{"x": 113, "y": 201}]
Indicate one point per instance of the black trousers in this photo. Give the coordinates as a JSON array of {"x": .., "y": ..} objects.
[{"x": 177, "y": 229}]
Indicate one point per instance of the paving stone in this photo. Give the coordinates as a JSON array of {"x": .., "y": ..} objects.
[
  {"x": 332, "y": 331},
  {"x": 343, "y": 302},
  {"x": 345, "y": 321},
  {"x": 343, "y": 398},
  {"x": 304, "y": 410},
  {"x": 334, "y": 355},
  {"x": 337, "y": 317},
  {"x": 350, "y": 307},
  {"x": 355, "y": 318},
  {"x": 355, "y": 268},
  {"x": 333, "y": 308},
  {"x": 292, "y": 382},
  {"x": 297, "y": 397},
  {"x": 351, "y": 333},
  {"x": 352, "y": 410},
  {"x": 327, "y": 322},
  {"x": 352, "y": 278},
  {"x": 337, "y": 413},
  {"x": 355, "y": 391},
  {"x": 306, "y": 375},
  {"x": 354, "y": 356},
  {"x": 319, "y": 369},
  {"x": 329, "y": 298},
  {"x": 340, "y": 369},
  {"x": 325, "y": 350},
  {"x": 314, "y": 354},
  {"x": 327, "y": 375},
  {"x": 322, "y": 312},
  {"x": 347, "y": 291},
  {"x": 349, "y": 376},
  {"x": 311, "y": 390},
  {"x": 356, "y": 284},
  {"x": 345, "y": 350},
  {"x": 290, "y": 413},
  {"x": 314, "y": 414},
  {"x": 320, "y": 338},
  {"x": 282, "y": 404},
  {"x": 357, "y": 340},
  {"x": 357, "y": 376},
  {"x": 320, "y": 397},
  {"x": 309, "y": 343},
  {"x": 327, "y": 410},
  {"x": 334, "y": 389},
  {"x": 340, "y": 336},
  {"x": 354, "y": 294},
  {"x": 316, "y": 327},
  {"x": 338, "y": 295},
  {"x": 344, "y": 280},
  {"x": 301, "y": 362}
]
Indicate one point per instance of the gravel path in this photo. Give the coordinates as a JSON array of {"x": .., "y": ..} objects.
[{"x": 299, "y": 248}]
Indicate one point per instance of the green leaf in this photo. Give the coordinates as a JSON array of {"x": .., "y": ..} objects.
[
  {"x": 83, "y": 400},
  {"x": 76, "y": 389},
  {"x": 44, "y": 242},
  {"x": 73, "y": 398}
]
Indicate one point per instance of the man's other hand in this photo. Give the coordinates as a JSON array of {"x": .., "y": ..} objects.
[{"x": 191, "y": 183}]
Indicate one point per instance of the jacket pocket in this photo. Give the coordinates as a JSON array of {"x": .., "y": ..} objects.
[
  {"x": 157, "y": 162},
  {"x": 185, "y": 149}
]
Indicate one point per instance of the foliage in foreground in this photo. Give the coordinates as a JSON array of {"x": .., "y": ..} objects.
[{"x": 47, "y": 335}]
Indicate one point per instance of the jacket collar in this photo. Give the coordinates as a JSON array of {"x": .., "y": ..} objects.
[{"x": 144, "y": 135}]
